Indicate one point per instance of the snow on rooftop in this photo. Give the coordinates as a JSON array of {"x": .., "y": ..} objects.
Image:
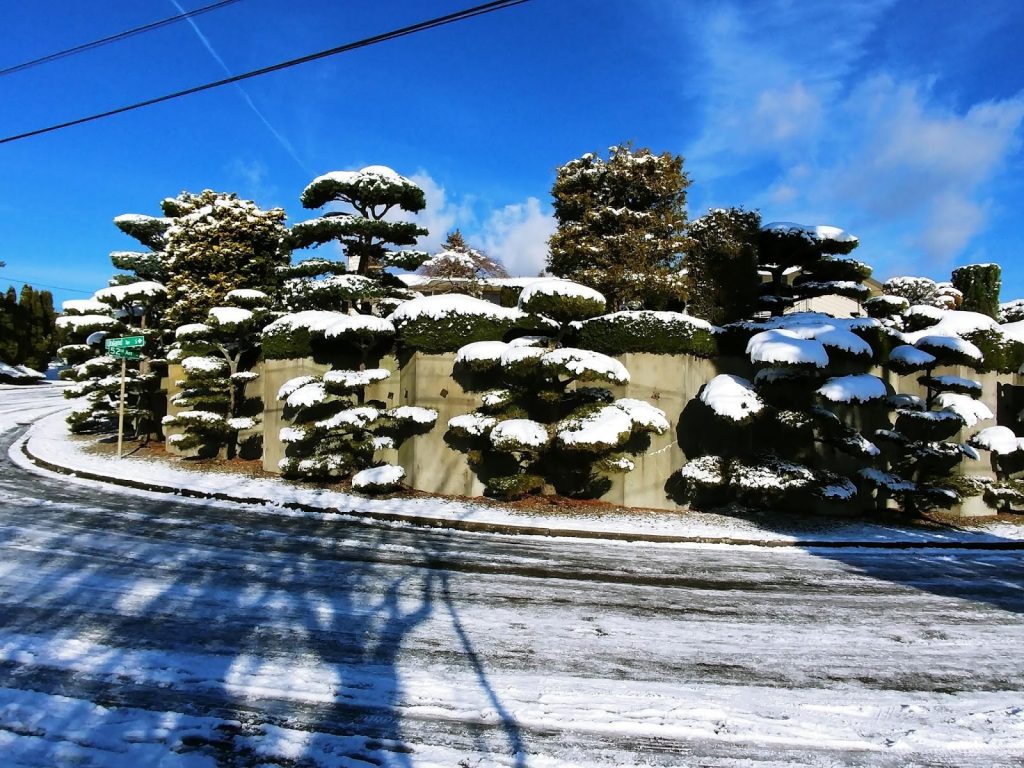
[{"x": 731, "y": 397}]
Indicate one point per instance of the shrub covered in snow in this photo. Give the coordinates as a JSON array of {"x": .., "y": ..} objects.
[
  {"x": 446, "y": 322},
  {"x": 335, "y": 431},
  {"x": 217, "y": 357},
  {"x": 665, "y": 333},
  {"x": 547, "y": 415}
]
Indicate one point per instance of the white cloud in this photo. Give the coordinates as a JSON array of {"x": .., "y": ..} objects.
[
  {"x": 441, "y": 215},
  {"x": 517, "y": 235},
  {"x": 793, "y": 117}
]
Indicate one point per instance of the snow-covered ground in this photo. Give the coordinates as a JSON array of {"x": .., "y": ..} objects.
[
  {"x": 142, "y": 630},
  {"x": 48, "y": 440}
]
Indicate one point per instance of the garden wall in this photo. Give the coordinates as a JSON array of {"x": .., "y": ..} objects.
[{"x": 670, "y": 382}]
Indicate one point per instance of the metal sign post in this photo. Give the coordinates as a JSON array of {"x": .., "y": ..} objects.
[{"x": 127, "y": 348}]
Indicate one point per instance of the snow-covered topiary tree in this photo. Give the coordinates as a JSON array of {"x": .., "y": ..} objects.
[
  {"x": 84, "y": 325},
  {"x": 622, "y": 226},
  {"x": 216, "y": 243},
  {"x": 790, "y": 437},
  {"x": 217, "y": 358},
  {"x": 366, "y": 232},
  {"x": 547, "y": 416},
  {"x": 919, "y": 455},
  {"x": 813, "y": 254}
]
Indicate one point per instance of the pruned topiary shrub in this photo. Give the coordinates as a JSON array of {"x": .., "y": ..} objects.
[
  {"x": 980, "y": 285},
  {"x": 662, "y": 333},
  {"x": 547, "y": 417},
  {"x": 335, "y": 431},
  {"x": 444, "y": 323}
]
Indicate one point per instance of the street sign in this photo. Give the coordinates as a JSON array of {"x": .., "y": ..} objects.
[
  {"x": 125, "y": 342},
  {"x": 126, "y": 348}
]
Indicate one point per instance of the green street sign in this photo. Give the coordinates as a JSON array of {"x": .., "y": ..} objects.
[
  {"x": 125, "y": 342},
  {"x": 127, "y": 354}
]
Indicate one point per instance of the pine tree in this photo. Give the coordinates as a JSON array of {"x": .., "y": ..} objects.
[
  {"x": 9, "y": 327},
  {"x": 364, "y": 232},
  {"x": 457, "y": 261},
  {"x": 622, "y": 226},
  {"x": 721, "y": 265},
  {"x": 813, "y": 252},
  {"x": 217, "y": 243},
  {"x": 547, "y": 416}
]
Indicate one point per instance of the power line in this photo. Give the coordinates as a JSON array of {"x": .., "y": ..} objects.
[
  {"x": 114, "y": 38},
  {"x": 33, "y": 283},
  {"x": 440, "y": 21}
]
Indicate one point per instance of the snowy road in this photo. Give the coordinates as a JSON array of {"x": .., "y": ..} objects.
[{"x": 137, "y": 630}]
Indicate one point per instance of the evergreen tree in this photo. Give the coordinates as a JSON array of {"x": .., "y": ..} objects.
[
  {"x": 9, "y": 326},
  {"x": 38, "y": 341},
  {"x": 721, "y": 265},
  {"x": 457, "y": 261},
  {"x": 547, "y": 416},
  {"x": 622, "y": 226},
  {"x": 980, "y": 285},
  {"x": 813, "y": 253},
  {"x": 365, "y": 231},
  {"x": 217, "y": 243}
]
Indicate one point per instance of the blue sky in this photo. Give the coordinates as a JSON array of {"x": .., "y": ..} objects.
[{"x": 899, "y": 121}]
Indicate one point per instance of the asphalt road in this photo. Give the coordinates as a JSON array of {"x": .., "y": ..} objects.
[{"x": 298, "y": 641}]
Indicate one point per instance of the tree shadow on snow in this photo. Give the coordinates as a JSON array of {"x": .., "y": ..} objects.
[{"x": 326, "y": 640}]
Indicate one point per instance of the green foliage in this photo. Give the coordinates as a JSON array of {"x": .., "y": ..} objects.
[
  {"x": 980, "y": 285},
  {"x": 562, "y": 309},
  {"x": 783, "y": 247},
  {"x": 621, "y": 225},
  {"x": 28, "y": 330},
  {"x": 1002, "y": 353},
  {"x": 218, "y": 243},
  {"x": 447, "y": 334},
  {"x": 721, "y": 265},
  {"x": 663, "y": 333},
  {"x": 886, "y": 306}
]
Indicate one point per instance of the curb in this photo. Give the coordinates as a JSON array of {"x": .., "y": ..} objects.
[{"x": 469, "y": 526}]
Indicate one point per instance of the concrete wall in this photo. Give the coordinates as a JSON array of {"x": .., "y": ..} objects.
[{"x": 668, "y": 382}]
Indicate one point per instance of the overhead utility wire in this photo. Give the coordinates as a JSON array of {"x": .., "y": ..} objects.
[
  {"x": 114, "y": 38},
  {"x": 440, "y": 21},
  {"x": 33, "y": 283}
]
